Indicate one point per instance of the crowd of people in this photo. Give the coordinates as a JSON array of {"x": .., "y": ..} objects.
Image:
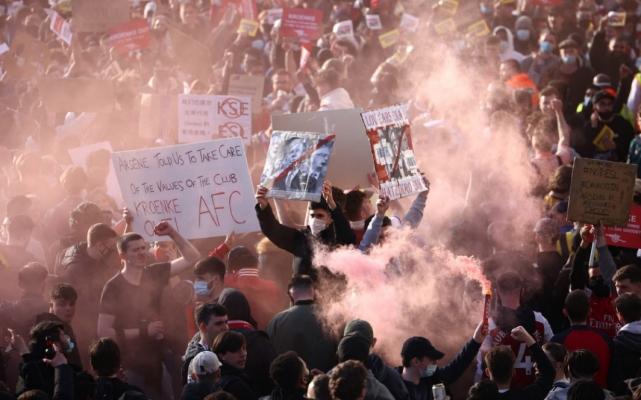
[{"x": 91, "y": 310}]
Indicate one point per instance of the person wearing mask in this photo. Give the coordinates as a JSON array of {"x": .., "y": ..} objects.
[
  {"x": 608, "y": 57},
  {"x": 525, "y": 42},
  {"x": 14, "y": 254},
  {"x": 501, "y": 363},
  {"x": 627, "y": 342},
  {"x": 348, "y": 380},
  {"x": 556, "y": 353},
  {"x": 577, "y": 76},
  {"x": 291, "y": 376},
  {"x": 105, "y": 360},
  {"x": 299, "y": 329},
  {"x": 581, "y": 365},
  {"x": 511, "y": 314},
  {"x": 231, "y": 349},
  {"x": 580, "y": 336},
  {"x": 534, "y": 65},
  {"x": 506, "y": 46},
  {"x": 212, "y": 320},
  {"x": 358, "y": 208},
  {"x": 210, "y": 279},
  {"x": 420, "y": 372},
  {"x": 73, "y": 180},
  {"x": 204, "y": 370},
  {"x": 514, "y": 78}
]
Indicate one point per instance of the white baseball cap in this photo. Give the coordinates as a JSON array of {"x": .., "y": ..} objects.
[{"x": 204, "y": 363}]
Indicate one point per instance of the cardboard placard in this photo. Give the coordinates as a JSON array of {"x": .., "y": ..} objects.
[
  {"x": 388, "y": 131},
  {"x": 246, "y": 8},
  {"x": 603, "y": 136},
  {"x": 77, "y": 95},
  {"x": 351, "y": 156},
  {"x": 601, "y": 190},
  {"x": 130, "y": 36},
  {"x": 343, "y": 29},
  {"x": 27, "y": 57},
  {"x": 248, "y": 86},
  {"x": 79, "y": 158},
  {"x": 296, "y": 165},
  {"x": 630, "y": 236},
  {"x": 60, "y": 27},
  {"x": 274, "y": 14},
  {"x": 249, "y": 27},
  {"x": 448, "y": 6},
  {"x": 207, "y": 117},
  {"x": 445, "y": 26},
  {"x": 202, "y": 189},
  {"x": 616, "y": 18},
  {"x": 373, "y": 22},
  {"x": 158, "y": 117},
  {"x": 301, "y": 23},
  {"x": 479, "y": 28},
  {"x": 409, "y": 23},
  {"x": 193, "y": 57},
  {"x": 97, "y": 15},
  {"x": 389, "y": 39}
]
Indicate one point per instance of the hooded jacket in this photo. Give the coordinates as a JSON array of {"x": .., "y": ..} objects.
[
  {"x": 375, "y": 390},
  {"x": 193, "y": 349},
  {"x": 337, "y": 99},
  {"x": 627, "y": 345},
  {"x": 388, "y": 377},
  {"x": 280, "y": 393},
  {"x": 199, "y": 390},
  {"x": 236, "y": 382},
  {"x": 509, "y": 53}
]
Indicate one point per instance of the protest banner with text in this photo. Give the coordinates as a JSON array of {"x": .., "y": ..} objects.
[
  {"x": 206, "y": 117},
  {"x": 130, "y": 36},
  {"x": 202, "y": 189},
  {"x": 390, "y": 140},
  {"x": 301, "y": 23},
  {"x": 629, "y": 236},
  {"x": 601, "y": 190},
  {"x": 248, "y": 86}
]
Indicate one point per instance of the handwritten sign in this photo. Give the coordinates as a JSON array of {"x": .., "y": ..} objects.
[
  {"x": 301, "y": 23},
  {"x": 389, "y": 39},
  {"x": 445, "y": 26},
  {"x": 98, "y": 15},
  {"x": 616, "y": 18},
  {"x": 479, "y": 28},
  {"x": 202, "y": 189},
  {"x": 409, "y": 22},
  {"x": 60, "y": 27},
  {"x": 248, "y": 86},
  {"x": 343, "y": 29},
  {"x": 601, "y": 190},
  {"x": 205, "y": 117},
  {"x": 248, "y": 27},
  {"x": 130, "y": 36},
  {"x": 27, "y": 57},
  {"x": 630, "y": 236},
  {"x": 373, "y": 22}
]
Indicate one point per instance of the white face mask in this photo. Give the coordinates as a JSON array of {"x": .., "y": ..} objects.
[
  {"x": 357, "y": 225},
  {"x": 316, "y": 225}
]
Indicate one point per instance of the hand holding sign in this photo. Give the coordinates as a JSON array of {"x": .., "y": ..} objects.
[
  {"x": 382, "y": 205},
  {"x": 261, "y": 192}
]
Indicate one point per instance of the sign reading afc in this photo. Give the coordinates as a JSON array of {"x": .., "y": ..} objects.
[{"x": 601, "y": 190}]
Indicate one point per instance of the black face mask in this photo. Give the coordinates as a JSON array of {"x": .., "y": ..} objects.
[
  {"x": 605, "y": 115},
  {"x": 598, "y": 286}
]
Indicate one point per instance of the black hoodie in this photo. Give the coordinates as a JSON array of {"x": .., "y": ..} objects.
[
  {"x": 236, "y": 382},
  {"x": 199, "y": 390},
  {"x": 627, "y": 345}
]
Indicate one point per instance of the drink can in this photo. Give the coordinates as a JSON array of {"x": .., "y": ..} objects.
[{"x": 438, "y": 392}]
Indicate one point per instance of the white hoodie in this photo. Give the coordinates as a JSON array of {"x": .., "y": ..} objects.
[
  {"x": 509, "y": 53},
  {"x": 337, "y": 99}
]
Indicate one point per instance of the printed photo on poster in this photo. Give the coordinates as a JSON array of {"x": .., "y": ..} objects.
[{"x": 296, "y": 165}]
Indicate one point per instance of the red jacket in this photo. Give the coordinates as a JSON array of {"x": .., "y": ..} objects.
[
  {"x": 523, "y": 81},
  {"x": 262, "y": 295}
]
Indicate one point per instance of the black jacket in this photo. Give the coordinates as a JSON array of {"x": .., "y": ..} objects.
[
  {"x": 74, "y": 356},
  {"x": 603, "y": 62},
  {"x": 199, "y": 390},
  {"x": 193, "y": 348},
  {"x": 386, "y": 375},
  {"x": 113, "y": 388},
  {"x": 280, "y": 393},
  {"x": 623, "y": 135},
  {"x": 549, "y": 265},
  {"x": 627, "y": 345},
  {"x": 236, "y": 382},
  {"x": 543, "y": 383}
]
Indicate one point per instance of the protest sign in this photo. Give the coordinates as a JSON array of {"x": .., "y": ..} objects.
[
  {"x": 301, "y": 23},
  {"x": 158, "y": 117},
  {"x": 343, "y": 29},
  {"x": 206, "y": 117},
  {"x": 351, "y": 155},
  {"x": 193, "y": 57},
  {"x": 248, "y": 86},
  {"x": 246, "y": 8},
  {"x": 601, "y": 190},
  {"x": 249, "y": 27},
  {"x": 77, "y": 95},
  {"x": 606, "y": 134},
  {"x": 130, "y": 36},
  {"x": 616, "y": 18},
  {"x": 630, "y": 236},
  {"x": 27, "y": 57},
  {"x": 409, "y": 23},
  {"x": 202, "y": 189},
  {"x": 274, "y": 14},
  {"x": 305, "y": 53},
  {"x": 373, "y": 22},
  {"x": 445, "y": 26},
  {"x": 79, "y": 157},
  {"x": 479, "y": 28},
  {"x": 296, "y": 165},
  {"x": 389, "y": 39},
  {"x": 448, "y": 6},
  {"x": 390, "y": 141},
  {"x": 60, "y": 27},
  {"x": 99, "y": 15}
]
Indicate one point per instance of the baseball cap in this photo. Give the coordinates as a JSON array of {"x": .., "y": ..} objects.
[
  {"x": 600, "y": 95},
  {"x": 546, "y": 226},
  {"x": 361, "y": 326},
  {"x": 602, "y": 81},
  {"x": 354, "y": 346},
  {"x": 419, "y": 347},
  {"x": 204, "y": 363}
]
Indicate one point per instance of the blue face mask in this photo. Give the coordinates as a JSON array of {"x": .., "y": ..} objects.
[
  {"x": 428, "y": 372},
  {"x": 546, "y": 47},
  {"x": 523, "y": 34},
  {"x": 70, "y": 344},
  {"x": 486, "y": 10},
  {"x": 569, "y": 60},
  {"x": 202, "y": 289},
  {"x": 587, "y": 101}
]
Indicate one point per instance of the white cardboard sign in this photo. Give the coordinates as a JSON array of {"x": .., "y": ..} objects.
[
  {"x": 343, "y": 29},
  {"x": 373, "y": 22},
  {"x": 206, "y": 117},
  {"x": 409, "y": 22},
  {"x": 60, "y": 27}
]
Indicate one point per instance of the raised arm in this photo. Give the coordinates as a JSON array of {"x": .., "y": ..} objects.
[
  {"x": 370, "y": 238},
  {"x": 457, "y": 367},
  {"x": 190, "y": 255},
  {"x": 606, "y": 263},
  {"x": 578, "y": 274},
  {"x": 415, "y": 214},
  {"x": 282, "y": 236},
  {"x": 344, "y": 233},
  {"x": 564, "y": 131}
]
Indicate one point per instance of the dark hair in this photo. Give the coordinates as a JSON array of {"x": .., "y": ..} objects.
[
  {"x": 483, "y": 390},
  {"x": 558, "y": 351},
  {"x": 560, "y": 180},
  {"x": 19, "y": 225},
  {"x": 586, "y": 390},
  {"x": 321, "y": 387},
  {"x": 577, "y": 305},
  {"x": 100, "y": 232},
  {"x": 300, "y": 282},
  {"x": 228, "y": 342},
  {"x": 629, "y": 306},
  {"x": 339, "y": 196},
  {"x": 582, "y": 364},
  {"x": 287, "y": 369},
  {"x": 491, "y": 39},
  {"x": 353, "y": 204},
  {"x": 17, "y": 205},
  {"x": 39, "y": 332},
  {"x": 32, "y": 273},
  {"x": 328, "y": 77},
  {"x": 631, "y": 272},
  {"x": 500, "y": 361},
  {"x": 73, "y": 179},
  {"x": 34, "y": 394},
  {"x": 514, "y": 65},
  {"x": 85, "y": 215},
  {"x": 63, "y": 291},
  {"x": 348, "y": 380},
  {"x": 124, "y": 240},
  {"x": 509, "y": 282},
  {"x": 550, "y": 91},
  {"x": 220, "y": 396},
  {"x": 211, "y": 265},
  {"x": 204, "y": 312},
  {"x": 104, "y": 356}
]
